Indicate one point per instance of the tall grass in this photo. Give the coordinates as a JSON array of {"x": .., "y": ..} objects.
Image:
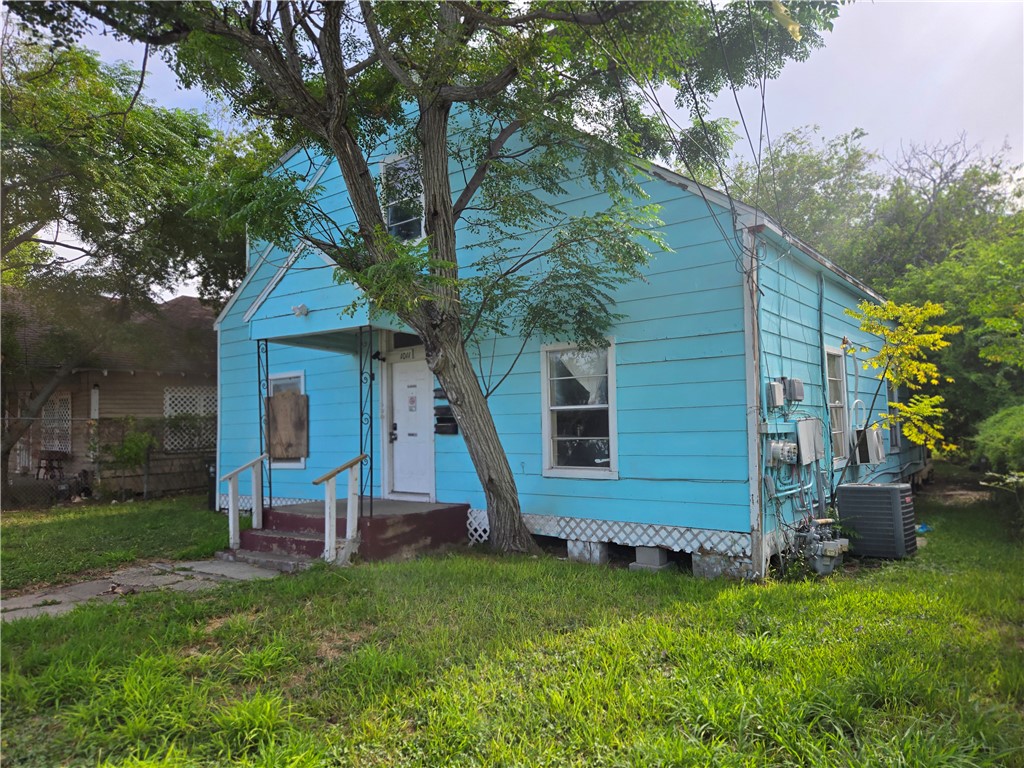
[
  {"x": 64, "y": 543},
  {"x": 469, "y": 660}
]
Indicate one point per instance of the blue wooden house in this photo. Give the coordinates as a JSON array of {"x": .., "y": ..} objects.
[{"x": 717, "y": 419}]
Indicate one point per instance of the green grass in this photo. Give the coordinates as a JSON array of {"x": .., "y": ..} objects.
[
  {"x": 66, "y": 543},
  {"x": 471, "y": 660}
]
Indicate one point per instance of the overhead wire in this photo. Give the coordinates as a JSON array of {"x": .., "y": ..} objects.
[{"x": 647, "y": 91}]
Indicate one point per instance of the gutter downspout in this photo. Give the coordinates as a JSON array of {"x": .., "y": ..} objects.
[{"x": 752, "y": 331}]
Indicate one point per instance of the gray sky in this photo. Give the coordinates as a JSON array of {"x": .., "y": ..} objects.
[
  {"x": 902, "y": 71},
  {"x": 906, "y": 72}
]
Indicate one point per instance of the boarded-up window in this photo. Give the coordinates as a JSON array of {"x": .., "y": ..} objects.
[{"x": 287, "y": 411}]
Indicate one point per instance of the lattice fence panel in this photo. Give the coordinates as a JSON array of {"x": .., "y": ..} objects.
[
  {"x": 478, "y": 526},
  {"x": 56, "y": 423},
  {"x": 191, "y": 414}
]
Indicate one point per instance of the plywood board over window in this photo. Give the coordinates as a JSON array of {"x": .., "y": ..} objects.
[{"x": 288, "y": 426}]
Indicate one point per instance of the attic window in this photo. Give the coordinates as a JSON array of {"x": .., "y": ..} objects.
[{"x": 403, "y": 198}]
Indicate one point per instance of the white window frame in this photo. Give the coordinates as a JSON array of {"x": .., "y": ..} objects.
[
  {"x": 837, "y": 460},
  {"x": 895, "y": 427},
  {"x": 386, "y": 205},
  {"x": 549, "y": 468},
  {"x": 301, "y": 376}
]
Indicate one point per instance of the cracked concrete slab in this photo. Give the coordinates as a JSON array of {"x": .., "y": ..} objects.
[
  {"x": 225, "y": 569},
  {"x": 192, "y": 576}
]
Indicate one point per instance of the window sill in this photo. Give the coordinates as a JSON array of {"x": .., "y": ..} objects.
[
  {"x": 301, "y": 464},
  {"x": 581, "y": 473}
]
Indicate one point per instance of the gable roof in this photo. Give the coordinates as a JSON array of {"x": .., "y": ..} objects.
[{"x": 746, "y": 216}]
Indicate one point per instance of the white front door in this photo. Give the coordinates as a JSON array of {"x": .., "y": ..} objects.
[{"x": 412, "y": 423}]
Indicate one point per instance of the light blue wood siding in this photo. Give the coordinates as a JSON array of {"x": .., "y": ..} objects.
[{"x": 791, "y": 346}]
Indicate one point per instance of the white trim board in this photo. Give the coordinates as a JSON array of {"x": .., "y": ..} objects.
[{"x": 263, "y": 257}]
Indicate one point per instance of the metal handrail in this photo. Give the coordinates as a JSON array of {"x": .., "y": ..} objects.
[
  {"x": 234, "y": 535},
  {"x": 331, "y": 511}
]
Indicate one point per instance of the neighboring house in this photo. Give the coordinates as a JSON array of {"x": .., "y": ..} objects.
[
  {"x": 664, "y": 441},
  {"x": 163, "y": 383}
]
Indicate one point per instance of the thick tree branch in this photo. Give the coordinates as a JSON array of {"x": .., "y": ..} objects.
[
  {"x": 381, "y": 47},
  {"x": 23, "y": 238},
  {"x": 481, "y": 170},
  {"x": 335, "y": 77},
  {"x": 597, "y": 17},
  {"x": 491, "y": 88}
]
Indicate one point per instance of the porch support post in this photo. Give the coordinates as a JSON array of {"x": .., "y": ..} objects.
[
  {"x": 330, "y": 519},
  {"x": 352, "y": 506},
  {"x": 234, "y": 541},
  {"x": 257, "y": 495}
]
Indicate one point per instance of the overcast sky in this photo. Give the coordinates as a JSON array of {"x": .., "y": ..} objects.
[{"x": 902, "y": 71}]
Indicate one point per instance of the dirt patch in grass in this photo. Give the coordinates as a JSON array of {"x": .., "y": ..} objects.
[
  {"x": 335, "y": 645},
  {"x": 958, "y": 495}
]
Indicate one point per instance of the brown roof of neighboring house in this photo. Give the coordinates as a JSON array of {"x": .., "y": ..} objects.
[{"x": 177, "y": 337}]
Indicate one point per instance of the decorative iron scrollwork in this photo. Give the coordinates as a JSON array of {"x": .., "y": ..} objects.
[
  {"x": 367, "y": 355},
  {"x": 263, "y": 391}
]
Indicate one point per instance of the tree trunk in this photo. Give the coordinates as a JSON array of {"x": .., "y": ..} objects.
[
  {"x": 439, "y": 324},
  {"x": 447, "y": 357}
]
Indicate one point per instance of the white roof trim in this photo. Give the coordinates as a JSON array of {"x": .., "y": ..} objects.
[
  {"x": 242, "y": 286},
  {"x": 279, "y": 276},
  {"x": 263, "y": 256},
  {"x": 273, "y": 283}
]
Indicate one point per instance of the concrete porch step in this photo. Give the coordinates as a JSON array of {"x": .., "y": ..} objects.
[
  {"x": 279, "y": 562},
  {"x": 283, "y": 542},
  {"x": 299, "y": 520}
]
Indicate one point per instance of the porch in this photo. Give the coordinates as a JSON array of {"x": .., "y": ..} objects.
[{"x": 397, "y": 529}]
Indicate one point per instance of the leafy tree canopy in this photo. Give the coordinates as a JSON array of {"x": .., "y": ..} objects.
[{"x": 822, "y": 190}]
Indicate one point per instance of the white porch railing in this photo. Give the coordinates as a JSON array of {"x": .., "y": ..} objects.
[
  {"x": 331, "y": 511},
  {"x": 256, "y": 465}
]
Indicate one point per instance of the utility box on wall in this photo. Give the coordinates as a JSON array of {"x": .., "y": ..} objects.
[{"x": 879, "y": 518}]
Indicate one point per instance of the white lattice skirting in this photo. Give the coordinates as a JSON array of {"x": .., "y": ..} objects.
[
  {"x": 679, "y": 539},
  {"x": 478, "y": 526},
  {"x": 245, "y": 501}
]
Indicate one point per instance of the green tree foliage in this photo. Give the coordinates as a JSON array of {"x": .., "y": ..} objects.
[
  {"x": 106, "y": 199},
  {"x": 822, "y": 190},
  {"x": 94, "y": 176},
  {"x": 938, "y": 198},
  {"x": 908, "y": 336},
  {"x": 982, "y": 285},
  {"x": 540, "y": 87},
  {"x": 1000, "y": 440}
]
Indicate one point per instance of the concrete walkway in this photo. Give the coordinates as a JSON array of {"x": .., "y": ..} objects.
[{"x": 181, "y": 577}]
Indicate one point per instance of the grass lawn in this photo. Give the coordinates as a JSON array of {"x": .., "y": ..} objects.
[
  {"x": 65, "y": 543},
  {"x": 470, "y": 660}
]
